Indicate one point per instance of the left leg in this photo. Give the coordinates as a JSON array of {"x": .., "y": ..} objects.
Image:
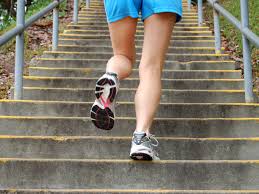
[{"x": 158, "y": 30}]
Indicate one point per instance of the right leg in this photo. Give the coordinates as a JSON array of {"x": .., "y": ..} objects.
[{"x": 122, "y": 34}]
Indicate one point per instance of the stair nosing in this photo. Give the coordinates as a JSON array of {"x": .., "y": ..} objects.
[{"x": 6, "y": 160}]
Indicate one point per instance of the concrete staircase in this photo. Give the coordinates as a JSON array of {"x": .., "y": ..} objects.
[{"x": 209, "y": 138}]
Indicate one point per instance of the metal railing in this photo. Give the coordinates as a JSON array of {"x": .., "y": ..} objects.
[
  {"x": 247, "y": 37},
  {"x": 22, "y": 25}
]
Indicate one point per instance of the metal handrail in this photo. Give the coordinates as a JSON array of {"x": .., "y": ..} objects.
[
  {"x": 247, "y": 37},
  {"x": 22, "y": 25}
]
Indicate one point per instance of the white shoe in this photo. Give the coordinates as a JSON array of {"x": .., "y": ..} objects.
[
  {"x": 102, "y": 111},
  {"x": 142, "y": 147}
]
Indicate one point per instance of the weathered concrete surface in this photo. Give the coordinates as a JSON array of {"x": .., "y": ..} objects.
[
  {"x": 107, "y": 56},
  {"x": 165, "y": 110},
  {"x": 125, "y": 191},
  {"x": 137, "y": 37},
  {"x": 127, "y": 95},
  {"x": 177, "y": 50},
  {"x": 102, "y": 33},
  {"x": 107, "y": 42},
  {"x": 52, "y": 126},
  {"x": 180, "y": 84},
  {"x": 58, "y": 147},
  {"x": 76, "y": 174},
  {"x": 139, "y": 28},
  {"x": 97, "y": 72},
  {"x": 100, "y": 63}
]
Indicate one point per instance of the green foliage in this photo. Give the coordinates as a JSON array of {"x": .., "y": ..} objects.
[
  {"x": 233, "y": 6},
  {"x": 233, "y": 35},
  {"x": 35, "y": 7}
]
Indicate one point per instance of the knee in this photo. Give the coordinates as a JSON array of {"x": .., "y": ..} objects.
[{"x": 122, "y": 64}]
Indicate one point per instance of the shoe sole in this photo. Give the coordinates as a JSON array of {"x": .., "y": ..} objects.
[
  {"x": 141, "y": 156},
  {"x": 103, "y": 118}
]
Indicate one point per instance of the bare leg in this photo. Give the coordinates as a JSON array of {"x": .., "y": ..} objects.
[
  {"x": 122, "y": 36},
  {"x": 158, "y": 30}
]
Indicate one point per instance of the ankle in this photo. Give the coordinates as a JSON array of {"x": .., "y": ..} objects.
[
  {"x": 142, "y": 131},
  {"x": 112, "y": 74}
]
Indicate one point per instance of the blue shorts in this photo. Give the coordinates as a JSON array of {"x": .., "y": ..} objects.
[{"x": 119, "y": 9}]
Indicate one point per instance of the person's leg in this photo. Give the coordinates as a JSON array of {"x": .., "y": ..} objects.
[
  {"x": 122, "y": 35},
  {"x": 158, "y": 30}
]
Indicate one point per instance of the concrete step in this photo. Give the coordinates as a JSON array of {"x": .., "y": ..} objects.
[
  {"x": 94, "y": 147},
  {"x": 137, "y": 37},
  {"x": 103, "y": 174},
  {"x": 177, "y": 50},
  {"x": 101, "y": 63},
  {"x": 126, "y": 109},
  {"x": 126, "y": 191},
  {"x": 125, "y": 95},
  {"x": 103, "y": 33},
  {"x": 107, "y": 42},
  {"x": 140, "y": 28},
  {"x": 163, "y": 127},
  {"x": 180, "y": 84},
  {"x": 97, "y": 72},
  {"x": 102, "y": 55}
]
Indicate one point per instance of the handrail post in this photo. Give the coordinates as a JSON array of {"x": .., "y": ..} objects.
[
  {"x": 217, "y": 32},
  {"x": 19, "y": 52},
  {"x": 189, "y": 5},
  {"x": 249, "y": 97},
  {"x": 87, "y": 2},
  {"x": 75, "y": 15},
  {"x": 55, "y": 28},
  {"x": 200, "y": 13}
]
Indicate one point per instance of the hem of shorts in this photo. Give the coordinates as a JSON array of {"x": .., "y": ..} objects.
[
  {"x": 164, "y": 10},
  {"x": 120, "y": 17}
]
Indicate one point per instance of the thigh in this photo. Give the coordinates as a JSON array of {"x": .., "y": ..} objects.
[
  {"x": 151, "y": 7},
  {"x": 120, "y": 9},
  {"x": 122, "y": 35},
  {"x": 158, "y": 30}
]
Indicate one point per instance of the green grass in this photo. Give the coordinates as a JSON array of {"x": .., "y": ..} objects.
[
  {"x": 230, "y": 32},
  {"x": 29, "y": 54}
]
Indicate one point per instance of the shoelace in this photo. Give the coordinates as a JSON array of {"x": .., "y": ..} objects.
[{"x": 152, "y": 137}]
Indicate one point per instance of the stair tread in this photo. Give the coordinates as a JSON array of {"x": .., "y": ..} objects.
[{"x": 129, "y": 191}]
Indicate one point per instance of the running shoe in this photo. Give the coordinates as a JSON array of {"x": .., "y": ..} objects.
[
  {"x": 103, "y": 111},
  {"x": 143, "y": 147}
]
